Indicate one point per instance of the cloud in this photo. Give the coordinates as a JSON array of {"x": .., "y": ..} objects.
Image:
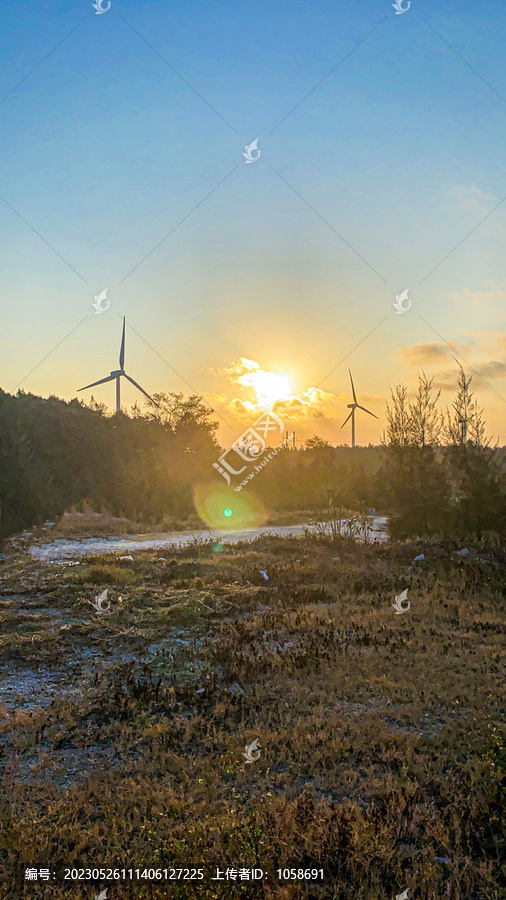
[
  {"x": 236, "y": 369},
  {"x": 470, "y": 302},
  {"x": 473, "y": 199},
  {"x": 262, "y": 388},
  {"x": 495, "y": 368},
  {"x": 492, "y": 341},
  {"x": 430, "y": 353},
  {"x": 312, "y": 403},
  {"x": 257, "y": 389},
  {"x": 480, "y": 373},
  {"x": 433, "y": 355}
]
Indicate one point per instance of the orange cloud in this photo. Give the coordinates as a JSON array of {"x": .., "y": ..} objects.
[
  {"x": 433, "y": 352},
  {"x": 310, "y": 410}
]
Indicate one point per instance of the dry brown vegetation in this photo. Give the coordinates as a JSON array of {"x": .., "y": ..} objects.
[
  {"x": 382, "y": 735},
  {"x": 85, "y": 521}
]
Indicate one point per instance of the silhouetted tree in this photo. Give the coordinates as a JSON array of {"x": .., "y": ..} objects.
[
  {"x": 478, "y": 494},
  {"x": 315, "y": 443},
  {"x": 413, "y": 476},
  {"x": 53, "y": 454},
  {"x": 439, "y": 475}
]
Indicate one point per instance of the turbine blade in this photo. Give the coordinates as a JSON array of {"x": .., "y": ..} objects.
[
  {"x": 122, "y": 350},
  {"x": 348, "y": 419},
  {"x": 367, "y": 411},
  {"x": 353, "y": 388},
  {"x": 102, "y": 381},
  {"x": 140, "y": 389}
]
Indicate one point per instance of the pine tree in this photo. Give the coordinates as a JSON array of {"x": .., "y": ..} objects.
[
  {"x": 413, "y": 475},
  {"x": 478, "y": 500}
]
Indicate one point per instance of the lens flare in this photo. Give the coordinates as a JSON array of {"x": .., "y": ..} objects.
[{"x": 212, "y": 503}]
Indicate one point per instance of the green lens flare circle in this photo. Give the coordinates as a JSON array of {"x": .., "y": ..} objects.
[{"x": 227, "y": 513}]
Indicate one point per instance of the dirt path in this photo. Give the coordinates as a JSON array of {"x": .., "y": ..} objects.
[{"x": 63, "y": 549}]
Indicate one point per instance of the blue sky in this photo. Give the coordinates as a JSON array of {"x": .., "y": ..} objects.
[{"x": 105, "y": 149}]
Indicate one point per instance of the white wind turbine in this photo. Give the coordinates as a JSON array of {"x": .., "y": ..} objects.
[
  {"x": 116, "y": 375},
  {"x": 353, "y": 406}
]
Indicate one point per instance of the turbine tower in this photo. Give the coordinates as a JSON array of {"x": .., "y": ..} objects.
[
  {"x": 463, "y": 424},
  {"x": 353, "y": 406},
  {"x": 116, "y": 375}
]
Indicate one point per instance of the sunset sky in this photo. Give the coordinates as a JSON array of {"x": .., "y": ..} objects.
[{"x": 256, "y": 285}]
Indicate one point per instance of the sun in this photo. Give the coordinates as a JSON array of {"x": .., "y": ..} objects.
[{"x": 269, "y": 387}]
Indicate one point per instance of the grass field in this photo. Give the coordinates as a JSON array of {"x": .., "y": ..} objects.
[{"x": 382, "y": 736}]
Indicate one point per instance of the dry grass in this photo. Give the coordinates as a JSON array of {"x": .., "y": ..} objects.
[
  {"x": 84, "y": 521},
  {"x": 87, "y": 522},
  {"x": 382, "y": 736}
]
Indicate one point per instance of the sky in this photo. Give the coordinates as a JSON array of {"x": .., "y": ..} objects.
[{"x": 255, "y": 284}]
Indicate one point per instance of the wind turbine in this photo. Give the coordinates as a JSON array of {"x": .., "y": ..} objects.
[
  {"x": 353, "y": 406},
  {"x": 463, "y": 424},
  {"x": 116, "y": 375},
  {"x": 463, "y": 419}
]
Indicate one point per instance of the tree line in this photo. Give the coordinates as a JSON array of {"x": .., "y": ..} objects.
[
  {"x": 441, "y": 475},
  {"x": 54, "y": 454},
  {"x": 435, "y": 474}
]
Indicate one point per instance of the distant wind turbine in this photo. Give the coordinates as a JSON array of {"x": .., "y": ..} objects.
[
  {"x": 353, "y": 406},
  {"x": 463, "y": 424},
  {"x": 116, "y": 375}
]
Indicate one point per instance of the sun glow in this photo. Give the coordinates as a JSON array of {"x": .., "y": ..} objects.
[{"x": 269, "y": 387}]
